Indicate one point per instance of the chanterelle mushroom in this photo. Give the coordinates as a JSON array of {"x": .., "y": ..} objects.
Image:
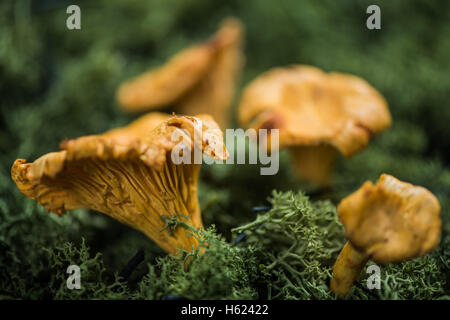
[
  {"x": 388, "y": 222},
  {"x": 316, "y": 113},
  {"x": 199, "y": 79},
  {"x": 132, "y": 180}
]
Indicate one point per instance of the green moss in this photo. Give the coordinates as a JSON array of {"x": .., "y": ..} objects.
[
  {"x": 301, "y": 240},
  {"x": 221, "y": 272},
  {"x": 422, "y": 278},
  {"x": 94, "y": 283}
]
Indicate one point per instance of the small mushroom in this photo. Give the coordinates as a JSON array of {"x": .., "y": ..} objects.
[
  {"x": 134, "y": 181},
  {"x": 199, "y": 79},
  {"x": 317, "y": 114},
  {"x": 389, "y": 222}
]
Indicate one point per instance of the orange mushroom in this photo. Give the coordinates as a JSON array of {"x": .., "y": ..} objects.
[
  {"x": 199, "y": 79},
  {"x": 388, "y": 222},
  {"x": 132, "y": 180},
  {"x": 317, "y": 114}
]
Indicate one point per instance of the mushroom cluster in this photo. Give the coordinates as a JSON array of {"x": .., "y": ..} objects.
[
  {"x": 199, "y": 79},
  {"x": 129, "y": 174},
  {"x": 388, "y": 222},
  {"x": 317, "y": 114}
]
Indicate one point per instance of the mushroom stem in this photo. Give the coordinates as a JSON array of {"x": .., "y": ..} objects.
[
  {"x": 314, "y": 163},
  {"x": 347, "y": 269}
]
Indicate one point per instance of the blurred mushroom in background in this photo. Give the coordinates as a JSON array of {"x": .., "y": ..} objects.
[
  {"x": 136, "y": 130},
  {"x": 389, "y": 222},
  {"x": 199, "y": 79},
  {"x": 129, "y": 177},
  {"x": 317, "y": 114}
]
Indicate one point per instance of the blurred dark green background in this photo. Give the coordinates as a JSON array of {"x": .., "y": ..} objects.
[{"x": 56, "y": 83}]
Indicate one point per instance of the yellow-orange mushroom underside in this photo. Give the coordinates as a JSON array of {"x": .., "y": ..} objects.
[{"x": 135, "y": 183}]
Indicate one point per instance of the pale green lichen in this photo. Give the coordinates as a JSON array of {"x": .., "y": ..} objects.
[
  {"x": 221, "y": 272},
  {"x": 302, "y": 240}
]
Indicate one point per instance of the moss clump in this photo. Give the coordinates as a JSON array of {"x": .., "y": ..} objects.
[
  {"x": 422, "y": 278},
  {"x": 49, "y": 279},
  {"x": 300, "y": 240},
  {"x": 94, "y": 282},
  {"x": 413, "y": 279},
  {"x": 221, "y": 272}
]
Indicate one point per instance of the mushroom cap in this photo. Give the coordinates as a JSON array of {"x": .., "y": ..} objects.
[
  {"x": 214, "y": 92},
  {"x": 134, "y": 182},
  {"x": 311, "y": 107},
  {"x": 392, "y": 220},
  {"x": 199, "y": 79},
  {"x": 162, "y": 86}
]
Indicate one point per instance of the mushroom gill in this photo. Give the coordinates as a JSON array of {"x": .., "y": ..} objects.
[
  {"x": 317, "y": 114},
  {"x": 134, "y": 181}
]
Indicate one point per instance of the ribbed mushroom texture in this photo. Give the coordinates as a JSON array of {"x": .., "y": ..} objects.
[
  {"x": 199, "y": 79},
  {"x": 132, "y": 180},
  {"x": 388, "y": 222},
  {"x": 316, "y": 113}
]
